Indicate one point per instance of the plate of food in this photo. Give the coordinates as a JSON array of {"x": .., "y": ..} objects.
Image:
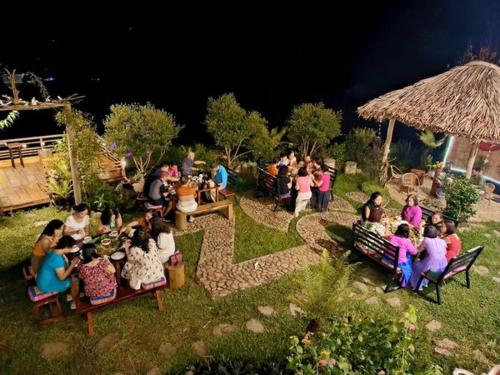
[
  {"x": 118, "y": 255},
  {"x": 113, "y": 234},
  {"x": 106, "y": 242},
  {"x": 87, "y": 239}
]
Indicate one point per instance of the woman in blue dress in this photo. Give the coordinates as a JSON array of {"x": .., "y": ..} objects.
[{"x": 55, "y": 270}]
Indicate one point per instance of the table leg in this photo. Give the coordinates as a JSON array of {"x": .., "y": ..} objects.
[
  {"x": 21, "y": 157},
  {"x": 12, "y": 158}
]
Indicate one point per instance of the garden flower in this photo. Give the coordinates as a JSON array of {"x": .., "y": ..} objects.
[
  {"x": 306, "y": 340},
  {"x": 333, "y": 362},
  {"x": 411, "y": 326},
  {"x": 325, "y": 354},
  {"x": 323, "y": 362},
  {"x": 129, "y": 154}
]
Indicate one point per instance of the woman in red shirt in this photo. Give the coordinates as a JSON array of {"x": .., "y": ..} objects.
[{"x": 453, "y": 243}]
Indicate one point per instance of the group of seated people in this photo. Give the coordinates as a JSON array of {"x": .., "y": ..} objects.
[
  {"x": 169, "y": 188},
  {"x": 439, "y": 245},
  {"x": 306, "y": 180},
  {"x": 149, "y": 248}
]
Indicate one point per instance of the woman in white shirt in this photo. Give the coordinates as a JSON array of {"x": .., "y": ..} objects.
[
  {"x": 164, "y": 237},
  {"x": 77, "y": 225}
]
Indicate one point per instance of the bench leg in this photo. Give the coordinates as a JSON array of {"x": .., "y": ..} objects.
[
  {"x": 36, "y": 312},
  {"x": 389, "y": 287},
  {"x": 90, "y": 324},
  {"x": 419, "y": 283},
  {"x": 159, "y": 302},
  {"x": 276, "y": 205},
  {"x": 438, "y": 294},
  {"x": 467, "y": 278}
]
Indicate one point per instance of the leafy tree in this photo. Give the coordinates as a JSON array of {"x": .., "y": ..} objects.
[
  {"x": 313, "y": 126},
  {"x": 428, "y": 138},
  {"x": 460, "y": 198},
  {"x": 265, "y": 141},
  {"x": 143, "y": 133},
  {"x": 234, "y": 129}
]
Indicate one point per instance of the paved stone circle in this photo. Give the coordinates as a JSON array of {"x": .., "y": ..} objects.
[
  {"x": 266, "y": 310},
  {"x": 357, "y": 196},
  {"x": 433, "y": 325},
  {"x": 255, "y": 326}
]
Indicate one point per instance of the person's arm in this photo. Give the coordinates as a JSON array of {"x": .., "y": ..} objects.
[
  {"x": 411, "y": 249},
  {"x": 107, "y": 266},
  {"x": 130, "y": 225},
  {"x": 197, "y": 162},
  {"x": 119, "y": 222},
  {"x": 101, "y": 228},
  {"x": 62, "y": 273},
  {"x": 366, "y": 213}
]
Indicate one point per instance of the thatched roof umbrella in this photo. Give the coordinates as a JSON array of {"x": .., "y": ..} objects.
[{"x": 463, "y": 101}]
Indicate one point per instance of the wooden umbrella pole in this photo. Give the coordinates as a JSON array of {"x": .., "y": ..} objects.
[
  {"x": 384, "y": 165},
  {"x": 77, "y": 190},
  {"x": 472, "y": 158}
]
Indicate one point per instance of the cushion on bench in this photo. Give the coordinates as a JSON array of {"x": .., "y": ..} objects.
[
  {"x": 226, "y": 192},
  {"x": 154, "y": 284},
  {"x": 150, "y": 206},
  {"x": 36, "y": 294},
  {"x": 103, "y": 299}
]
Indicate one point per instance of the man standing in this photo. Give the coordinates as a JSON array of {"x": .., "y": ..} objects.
[{"x": 187, "y": 164}]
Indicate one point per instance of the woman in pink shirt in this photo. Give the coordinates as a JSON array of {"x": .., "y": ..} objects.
[
  {"x": 323, "y": 186},
  {"x": 303, "y": 185},
  {"x": 400, "y": 238}
]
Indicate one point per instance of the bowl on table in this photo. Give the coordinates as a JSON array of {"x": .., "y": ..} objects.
[
  {"x": 113, "y": 234},
  {"x": 87, "y": 239},
  {"x": 117, "y": 255},
  {"x": 106, "y": 242}
]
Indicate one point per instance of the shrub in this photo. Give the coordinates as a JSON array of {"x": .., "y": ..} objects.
[
  {"x": 337, "y": 151},
  {"x": 404, "y": 154},
  {"x": 227, "y": 366},
  {"x": 358, "y": 345},
  {"x": 460, "y": 196}
]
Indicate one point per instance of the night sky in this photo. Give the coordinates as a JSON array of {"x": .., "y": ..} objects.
[{"x": 271, "y": 59}]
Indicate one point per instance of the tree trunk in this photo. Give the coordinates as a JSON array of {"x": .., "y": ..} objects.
[
  {"x": 384, "y": 165},
  {"x": 472, "y": 158}
]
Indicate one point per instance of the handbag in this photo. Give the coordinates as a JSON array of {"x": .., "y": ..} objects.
[{"x": 176, "y": 259}]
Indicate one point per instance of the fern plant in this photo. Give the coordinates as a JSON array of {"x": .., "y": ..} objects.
[
  {"x": 9, "y": 120},
  {"x": 323, "y": 288}
]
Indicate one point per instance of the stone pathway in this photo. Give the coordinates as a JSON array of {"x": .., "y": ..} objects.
[
  {"x": 445, "y": 347},
  {"x": 221, "y": 277},
  {"x": 357, "y": 196},
  {"x": 340, "y": 204},
  {"x": 295, "y": 310},
  {"x": 167, "y": 349},
  {"x": 261, "y": 210},
  {"x": 200, "y": 348},
  {"x": 393, "y": 301},
  {"x": 255, "y": 326},
  {"x": 360, "y": 286},
  {"x": 107, "y": 342},
  {"x": 372, "y": 301}
]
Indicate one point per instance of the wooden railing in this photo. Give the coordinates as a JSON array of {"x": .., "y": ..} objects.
[
  {"x": 30, "y": 145},
  {"x": 106, "y": 150}
]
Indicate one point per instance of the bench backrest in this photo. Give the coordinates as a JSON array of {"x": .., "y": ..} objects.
[
  {"x": 382, "y": 251},
  {"x": 461, "y": 262},
  {"x": 333, "y": 176},
  {"x": 427, "y": 213},
  {"x": 266, "y": 181}
]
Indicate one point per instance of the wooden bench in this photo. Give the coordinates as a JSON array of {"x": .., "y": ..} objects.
[
  {"x": 379, "y": 250},
  {"x": 233, "y": 179},
  {"x": 267, "y": 184},
  {"x": 123, "y": 293},
  {"x": 458, "y": 264},
  {"x": 225, "y": 207}
]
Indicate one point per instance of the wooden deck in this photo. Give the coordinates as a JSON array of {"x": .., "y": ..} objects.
[
  {"x": 22, "y": 187},
  {"x": 26, "y": 187}
]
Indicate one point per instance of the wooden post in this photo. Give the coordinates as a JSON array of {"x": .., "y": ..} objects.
[
  {"x": 472, "y": 157},
  {"x": 384, "y": 165},
  {"x": 77, "y": 189}
]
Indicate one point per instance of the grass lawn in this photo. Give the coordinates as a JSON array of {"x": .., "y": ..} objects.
[{"x": 469, "y": 317}]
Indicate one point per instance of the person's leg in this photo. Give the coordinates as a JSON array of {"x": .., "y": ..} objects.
[{"x": 325, "y": 200}]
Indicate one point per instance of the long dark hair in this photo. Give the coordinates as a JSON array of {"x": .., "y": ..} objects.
[
  {"x": 430, "y": 231},
  {"x": 371, "y": 201},
  {"x": 283, "y": 171},
  {"x": 65, "y": 242},
  {"x": 80, "y": 207},
  {"x": 51, "y": 228},
  {"x": 89, "y": 253},
  {"x": 403, "y": 231},
  {"x": 302, "y": 172},
  {"x": 107, "y": 213},
  {"x": 141, "y": 239}
]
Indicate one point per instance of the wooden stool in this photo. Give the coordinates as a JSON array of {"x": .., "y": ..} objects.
[
  {"x": 175, "y": 276},
  {"x": 55, "y": 308},
  {"x": 15, "y": 146}
]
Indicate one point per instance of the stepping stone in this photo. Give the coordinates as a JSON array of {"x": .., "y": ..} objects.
[
  {"x": 266, "y": 310},
  {"x": 199, "y": 348},
  {"x": 223, "y": 329},
  {"x": 107, "y": 342},
  {"x": 442, "y": 351},
  {"x": 497, "y": 233},
  {"x": 255, "y": 326},
  {"x": 360, "y": 286},
  {"x": 496, "y": 279},
  {"x": 167, "y": 349},
  {"x": 154, "y": 371},
  {"x": 379, "y": 290},
  {"x": 53, "y": 349},
  {"x": 394, "y": 301},
  {"x": 42, "y": 223},
  {"x": 371, "y": 301},
  {"x": 433, "y": 325},
  {"x": 294, "y": 309},
  {"x": 487, "y": 235},
  {"x": 481, "y": 270},
  {"x": 367, "y": 281},
  {"x": 446, "y": 344}
]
